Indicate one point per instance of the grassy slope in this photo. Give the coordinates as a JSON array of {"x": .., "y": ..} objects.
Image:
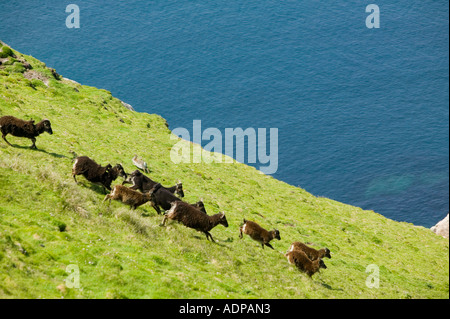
[{"x": 48, "y": 222}]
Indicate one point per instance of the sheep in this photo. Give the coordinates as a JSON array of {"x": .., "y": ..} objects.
[
  {"x": 176, "y": 189},
  {"x": 200, "y": 206},
  {"x": 191, "y": 217},
  {"x": 20, "y": 128},
  {"x": 303, "y": 263},
  {"x": 128, "y": 196},
  {"x": 312, "y": 253},
  {"x": 96, "y": 173},
  {"x": 258, "y": 233},
  {"x": 139, "y": 163},
  {"x": 145, "y": 184},
  {"x": 162, "y": 198}
]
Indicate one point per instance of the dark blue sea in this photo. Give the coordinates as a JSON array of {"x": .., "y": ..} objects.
[{"x": 363, "y": 114}]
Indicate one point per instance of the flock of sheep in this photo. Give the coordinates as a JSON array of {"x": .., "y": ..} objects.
[{"x": 143, "y": 190}]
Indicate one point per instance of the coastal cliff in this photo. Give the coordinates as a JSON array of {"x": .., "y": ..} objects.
[
  {"x": 441, "y": 228},
  {"x": 50, "y": 225}
]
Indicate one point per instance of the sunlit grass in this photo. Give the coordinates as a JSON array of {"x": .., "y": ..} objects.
[{"x": 47, "y": 222}]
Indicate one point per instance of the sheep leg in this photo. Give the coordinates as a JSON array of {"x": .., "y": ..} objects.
[
  {"x": 126, "y": 181},
  {"x": 4, "y": 137},
  {"x": 134, "y": 187},
  {"x": 240, "y": 232},
  {"x": 34, "y": 143},
  {"x": 164, "y": 221},
  {"x": 268, "y": 245},
  {"x": 210, "y": 236},
  {"x": 105, "y": 191},
  {"x": 156, "y": 207},
  {"x": 108, "y": 196},
  {"x": 75, "y": 178}
]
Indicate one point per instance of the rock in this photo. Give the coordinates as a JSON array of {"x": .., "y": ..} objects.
[
  {"x": 441, "y": 228},
  {"x": 32, "y": 74},
  {"x": 72, "y": 81},
  {"x": 128, "y": 106}
]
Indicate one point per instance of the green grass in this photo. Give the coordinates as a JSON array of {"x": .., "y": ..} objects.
[{"x": 47, "y": 222}]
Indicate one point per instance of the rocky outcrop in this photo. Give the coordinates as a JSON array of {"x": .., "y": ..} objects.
[
  {"x": 441, "y": 228},
  {"x": 128, "y": 106},
  {"x": 32, "y": 74}
]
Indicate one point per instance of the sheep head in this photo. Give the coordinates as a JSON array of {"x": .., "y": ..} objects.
[
  {"x": 276, "y": 234},
  {"x": 322, "y": 264},
  {"x": 47, "y": 126},
  {"x": 43, "y": 126},
  {"x": 223, "y": 219},
  {"x": 179, "y": 189},
  {"x": 120, "y": 171}
]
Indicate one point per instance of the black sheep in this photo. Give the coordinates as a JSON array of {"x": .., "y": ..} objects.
[
  {"x": 163, "y": 198},
  {"x": 144, "y": 184},
  {"x": 20, "y": 128}
]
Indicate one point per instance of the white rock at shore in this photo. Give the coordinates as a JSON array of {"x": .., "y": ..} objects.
[
  {"x": 441, "y": 228},
  {"x": 128, "y": 106}
]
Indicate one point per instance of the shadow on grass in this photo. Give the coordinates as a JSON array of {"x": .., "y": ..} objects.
[
  {"x": 93, "y": 187},
  {"x": 39, "y": 150},
  {"x": 329, "y": 287},
  {"x": 216, "y": 241},
  {"x": 98, "y": 189}
]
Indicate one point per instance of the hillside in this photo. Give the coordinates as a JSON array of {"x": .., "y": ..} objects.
[{"x": 47, "y": 222}]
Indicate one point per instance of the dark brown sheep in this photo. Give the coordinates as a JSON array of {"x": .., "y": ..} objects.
[
  {"x": 95, "y": 173},
  {"x": 303, "y": 263},
  {"x": 312, "y": 253},
  {"x": 192, "y": 217},
  {"x": 258, "y": 233},
  {"x": 20, "y": 128},
  {"x": 128, "y": 196}
]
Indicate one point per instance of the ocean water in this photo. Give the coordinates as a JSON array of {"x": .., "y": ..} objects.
[{"x": 362, "y": 114}]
